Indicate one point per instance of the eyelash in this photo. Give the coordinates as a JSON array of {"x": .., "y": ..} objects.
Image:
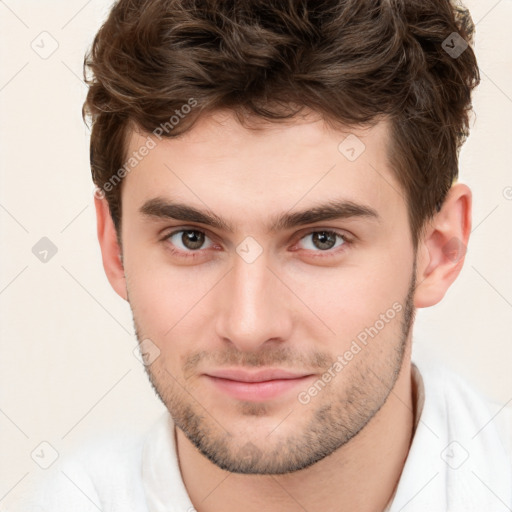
[{"x": 319, "y": 253}]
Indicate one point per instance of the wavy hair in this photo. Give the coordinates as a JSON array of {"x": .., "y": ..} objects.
[{"x": 353, "y": 61}]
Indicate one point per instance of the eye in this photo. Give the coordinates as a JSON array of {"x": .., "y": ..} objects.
[
  {"x": 188, "y": 240},
  {"x": 323, "y": 240}
]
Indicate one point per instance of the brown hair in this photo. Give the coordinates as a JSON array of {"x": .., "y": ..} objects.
[{"x": 353, "y": 61}]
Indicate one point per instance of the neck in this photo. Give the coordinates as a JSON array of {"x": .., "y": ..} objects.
[{"x": 361, "y": 475}]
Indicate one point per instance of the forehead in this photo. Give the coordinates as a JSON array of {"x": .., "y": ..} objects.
[{"x": 264, "y": 168}]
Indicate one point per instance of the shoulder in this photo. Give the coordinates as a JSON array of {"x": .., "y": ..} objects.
[
  {"x": 461, "y": 447},
  {"x": 502, "y": 416},
  {"x": 103, "y": 474},
  {"x": 460, "y": 403}
]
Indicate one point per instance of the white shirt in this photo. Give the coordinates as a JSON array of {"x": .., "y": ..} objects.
[{"x": 460, "y": 460}]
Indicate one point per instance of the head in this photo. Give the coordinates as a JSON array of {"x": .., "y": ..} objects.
[{"x": 276, "y": 190}]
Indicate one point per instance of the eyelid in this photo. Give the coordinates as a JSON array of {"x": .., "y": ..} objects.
[
  {"x": 320, "y": 229},
  {"x": 346, "y": 237},
  {"x": 167, "y": 233}
]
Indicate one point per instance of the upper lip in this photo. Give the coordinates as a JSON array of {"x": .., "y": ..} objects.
[{"x": 255, "y": 376}]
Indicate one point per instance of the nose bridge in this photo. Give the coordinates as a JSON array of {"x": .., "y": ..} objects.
[{"x": 254, "y": 310}]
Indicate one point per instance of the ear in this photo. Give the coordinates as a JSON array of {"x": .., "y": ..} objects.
[
  {"x": 110, "y": 250},
  {"x": 442, "y": 248}
]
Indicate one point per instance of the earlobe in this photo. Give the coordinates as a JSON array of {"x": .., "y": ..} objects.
[
  {"x": 442, "y": 250},
  {"x": 110, "y": 250}
]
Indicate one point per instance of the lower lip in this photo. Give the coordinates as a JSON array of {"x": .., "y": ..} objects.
[{"x": 257, "y": 391}]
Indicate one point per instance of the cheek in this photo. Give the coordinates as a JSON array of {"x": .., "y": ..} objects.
[
  {"x": 351, "y": 297},
  {"x": 168, "y": 302},
  {"x": 158, "y": 309},
  {"x": 157, "y": 295}
]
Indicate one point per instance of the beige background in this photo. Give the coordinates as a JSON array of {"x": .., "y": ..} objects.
[{"x": 67, "y": 369}]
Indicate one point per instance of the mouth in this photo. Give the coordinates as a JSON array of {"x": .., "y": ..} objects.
[{"x": 256, "y": 386}]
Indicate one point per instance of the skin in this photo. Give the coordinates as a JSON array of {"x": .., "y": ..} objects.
[{"x": 297, "y": 306}]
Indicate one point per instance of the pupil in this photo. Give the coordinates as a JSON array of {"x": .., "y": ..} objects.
[
  {"x": 192, "y": 239},
  {"x": 324, "y": 240}
]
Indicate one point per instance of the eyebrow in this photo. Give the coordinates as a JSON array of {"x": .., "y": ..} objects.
[{"x": 160, "y": 208}]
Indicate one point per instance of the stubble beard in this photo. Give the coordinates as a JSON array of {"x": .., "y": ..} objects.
[{"x": 333, "y": 423}]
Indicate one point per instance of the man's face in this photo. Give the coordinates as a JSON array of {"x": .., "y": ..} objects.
[{"x": 325, "y": 299}]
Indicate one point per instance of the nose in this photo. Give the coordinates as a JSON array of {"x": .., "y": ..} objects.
[{"x": 254, "y": 306}]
